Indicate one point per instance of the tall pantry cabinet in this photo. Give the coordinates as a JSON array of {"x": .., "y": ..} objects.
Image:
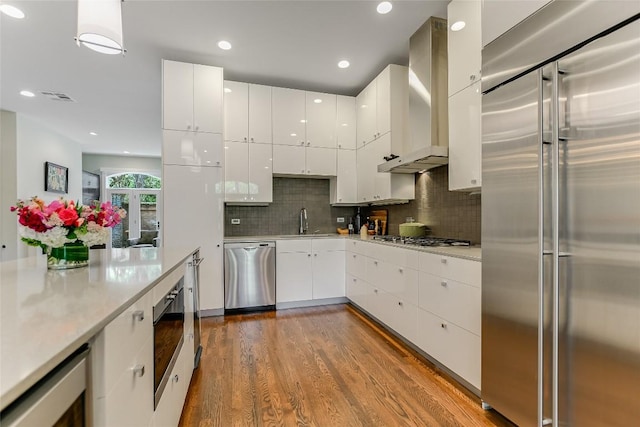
[{"x": 193, "y": 170}]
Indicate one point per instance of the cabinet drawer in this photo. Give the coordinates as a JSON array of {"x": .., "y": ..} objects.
[
  {"x": 293, "y": 245},
  {"x": 328, "y": 245},
  {"x": 357, "y": 265},
  {"x": 130, "y": 402},
  {"x": 170, "y": 405},
  {"x": 357, "y": 246},
  {"x": 357, "y": 291},
  {"x": 454, "y": 347},
  {"x": 404, "y": 317},
  {"x": 458, "y": 269},
  {"x": 457, "y": 302},
  {"x": 120, "y": 341},
  {"x": 401, "y": 282}
]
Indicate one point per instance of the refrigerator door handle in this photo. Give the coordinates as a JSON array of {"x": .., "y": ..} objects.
[{"x": 555, "y": 215}]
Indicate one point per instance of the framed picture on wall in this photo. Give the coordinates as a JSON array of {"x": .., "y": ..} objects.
[
  {"x": 56, "y": 178},
  {"x": 90, "y": 187}
]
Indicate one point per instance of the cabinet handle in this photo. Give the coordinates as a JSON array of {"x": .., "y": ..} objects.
[
  {"x": 354, "y": 256},
  {"x": 443, "y": 260},
  {"x": 400, "y": 303},
  {"x": 443, "y": 325},
  {"x": 197, "y": 127},
  {"x": 315, "y": 254},
  {"x": 308, "y": 171},
  {"x": 472, "y": 77},
  {"x": 245, "y": 139},
  {"x": 308, "y": 255},
  {"x": 308, "y": 143},
  {"x": 301, "y": 142},
  {"x": 191, "y": 336},
  {"x": 138, "y": 314},
  {"x": 188, "y": 126},
  {"x": 252, "y": 140},
  {"x": 473, "y": 181},
  {"x": 375, "y": 262},
  {"x": 339, "y": 145},
  {"x": 375, "y": 291},
  {"x": 176, "y": 378},
  {"x": 354, "y": 279},
  {"x": 443, "y": 283},
  {"x": 138, "y": 370},
  {"x": 302, "y": 171},
  {"x": 401, "y": 270},
  {"x": 190, "y": 289}
]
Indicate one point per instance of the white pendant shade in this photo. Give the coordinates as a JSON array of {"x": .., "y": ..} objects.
[{"x": 100, "y": 25}]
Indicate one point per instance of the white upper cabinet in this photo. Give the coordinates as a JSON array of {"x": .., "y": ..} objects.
[
  {"x": 464, "y": 45},
  {"x": 191, "y": 97},
  {"x": 343, "y": 188},
  {"x": 382, "y": 107},
  {"x": 289, "y": 160},
  {"x": 346, "y": 123},
  {"x": 289, "y": 118},
  {"x": 236, "y": 111},
  {"x": 192, "y": 148},
  {"x": 260, "y": 130},
  {"x": 247, "y": 112},
  {"x": 248, "y": 173},
  {"x": 320, "y": 119},
  {"x": 499, "y": 16},
  {"x": 321, "y": 161},
  {"x": 465, "y": 139}
]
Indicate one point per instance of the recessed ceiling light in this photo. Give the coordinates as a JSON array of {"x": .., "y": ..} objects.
[
  {"x": 293, "y": 134},
  {"x": 384, "y": 7},
  {"x": 343, "y": 64},
  {"x": 303, "y": 121},
  {"x": 93, "y": 134},
  {"x": 125, "y": 152},
  {"x": 205, "y": 151},
  {"x": 317, "y": 100},
  {"x": 27, "y": 93},
  {"x": 345, "y": 124},
  {"x": 227, "y": 90},
  {"x": 224, "y": 45},
  {"x": 11, "y": 11},
  {"x": 458, "y": 25}
]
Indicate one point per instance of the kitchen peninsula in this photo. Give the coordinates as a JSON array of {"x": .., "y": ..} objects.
[{"x": 47, "y": 315}]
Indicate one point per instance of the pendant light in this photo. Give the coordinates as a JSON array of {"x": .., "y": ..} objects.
[{"x": 100, "y": 25}]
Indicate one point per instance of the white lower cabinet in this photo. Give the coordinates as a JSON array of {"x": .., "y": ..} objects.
[
  {"x": 431, "y": 300},
  {"x": 309, "y": 269},
  {"x": 169, "y": 407}
]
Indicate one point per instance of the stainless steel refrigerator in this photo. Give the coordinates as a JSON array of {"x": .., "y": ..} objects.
[{"x": 561, "y": 217}]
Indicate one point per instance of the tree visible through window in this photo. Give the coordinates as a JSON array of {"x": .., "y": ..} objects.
[{"x": 135, "y": 180}]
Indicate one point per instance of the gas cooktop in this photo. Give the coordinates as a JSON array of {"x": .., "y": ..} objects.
[{"x": 423, "y": 241}]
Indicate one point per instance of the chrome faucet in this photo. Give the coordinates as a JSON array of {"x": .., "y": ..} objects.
[{"x": 304, "y": 222}]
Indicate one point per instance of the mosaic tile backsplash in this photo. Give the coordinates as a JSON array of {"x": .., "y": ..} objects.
[
  {"x": 448, "y": 213},
  {"x": 282, "y": 216}
]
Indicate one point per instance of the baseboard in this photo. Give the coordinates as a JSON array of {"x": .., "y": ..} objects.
[
  {"x": 212, "y": 312},
  {"x": 311, "y": 303}
]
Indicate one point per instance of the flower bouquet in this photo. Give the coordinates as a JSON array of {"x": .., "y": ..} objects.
[{"x": 65, "y": 230}]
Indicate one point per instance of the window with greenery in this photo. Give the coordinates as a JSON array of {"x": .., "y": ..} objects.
[{"x": 138, "y": 181}]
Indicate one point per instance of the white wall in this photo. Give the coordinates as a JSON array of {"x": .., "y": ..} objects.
[
  {"x": 95, "y": 162},
  {"x": 8, "y": 186},
  {"x": 37, "y": 145}
]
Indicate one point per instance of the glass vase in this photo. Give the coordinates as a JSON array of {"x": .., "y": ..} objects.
[{"x": 71, "y": 255}]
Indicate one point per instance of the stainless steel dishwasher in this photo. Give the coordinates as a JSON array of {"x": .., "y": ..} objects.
[{"x": 249, "y": 276}]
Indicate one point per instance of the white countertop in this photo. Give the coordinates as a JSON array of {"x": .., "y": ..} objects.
[
  {"x": 45, "y": 315},
  {"x": 473, "y": 253}
]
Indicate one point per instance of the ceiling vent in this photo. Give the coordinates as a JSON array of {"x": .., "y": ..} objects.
[{"x": 57, "y": 96}]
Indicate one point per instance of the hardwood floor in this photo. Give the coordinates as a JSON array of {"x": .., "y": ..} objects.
[{"x": 320, "y": 366}]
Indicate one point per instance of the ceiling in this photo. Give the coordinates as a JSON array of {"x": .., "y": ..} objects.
[{"x": 294, "y": 44}]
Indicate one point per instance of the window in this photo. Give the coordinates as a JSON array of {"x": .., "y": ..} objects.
[{"x": 139, "y": 194}]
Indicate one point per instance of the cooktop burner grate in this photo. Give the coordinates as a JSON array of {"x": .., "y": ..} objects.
[{"x": 423, "y": 241}]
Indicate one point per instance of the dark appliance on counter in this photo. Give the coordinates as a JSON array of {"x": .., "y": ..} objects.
[
  {"x": 168, "y": 336},
  {"x": 560, "y": 217}
]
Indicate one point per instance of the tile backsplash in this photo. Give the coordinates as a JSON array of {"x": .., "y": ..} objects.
[
  {"x": 281, "y": 217},
  {"x": 450, "y": 214}
]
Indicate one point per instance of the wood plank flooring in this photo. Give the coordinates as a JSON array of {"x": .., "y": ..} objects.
[{"x": 320, "y": 366}]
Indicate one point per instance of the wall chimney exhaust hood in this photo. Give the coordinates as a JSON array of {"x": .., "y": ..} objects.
[{"x": 428, "y": 143}]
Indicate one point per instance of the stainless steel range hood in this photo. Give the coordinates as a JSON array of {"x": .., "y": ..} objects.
[{"x": 428, "y": 143}]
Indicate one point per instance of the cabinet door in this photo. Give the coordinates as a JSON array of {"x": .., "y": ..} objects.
[
  {"x": 366, "y": 114},
  {"x": 321, "y": 161},
  {"x": 294, "y": 276},
  {"x": 260, "y": 129},
  {"x": 464, "y": 46},
  {"x": 380, "y": 148},
  {"x": 289, "y": 160},
  {"x": 192, "y": 148},
  {"x": 289, "y": 118},
  {"x": 236, "y": 111},
  {"x": 202, "y": 190},
  {"x": 207, "y": 99},
  {"x": 320, "y": 119},
  {"x": 260, "y": 173},
  {"x": 364, "y": 173},
  {"x": 465, "y": 159},
  {"x": 356, "y": 265},
  {"x": 346, "y": 122},
  {"x": 177, "y": 95},
  {"x": 356, "y": 290},
  {"x": 328, "y": 274},
  {"x": 383, "y": 102},
  {"x": 236, "y": 172},
  {"x": 346, "y": 186}
]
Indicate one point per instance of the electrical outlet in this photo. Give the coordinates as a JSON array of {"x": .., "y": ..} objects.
[
  {"x": 235, "y": 221},
  {"x": 340, "y": 219}
]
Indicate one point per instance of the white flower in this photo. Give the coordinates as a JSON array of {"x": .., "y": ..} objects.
[
  {"x": 54, "y": 237},
  {"x": 94, "y": 236}
]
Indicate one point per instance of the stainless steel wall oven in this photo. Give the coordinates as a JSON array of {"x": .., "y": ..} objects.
[{"x": 168, "y": 335}]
